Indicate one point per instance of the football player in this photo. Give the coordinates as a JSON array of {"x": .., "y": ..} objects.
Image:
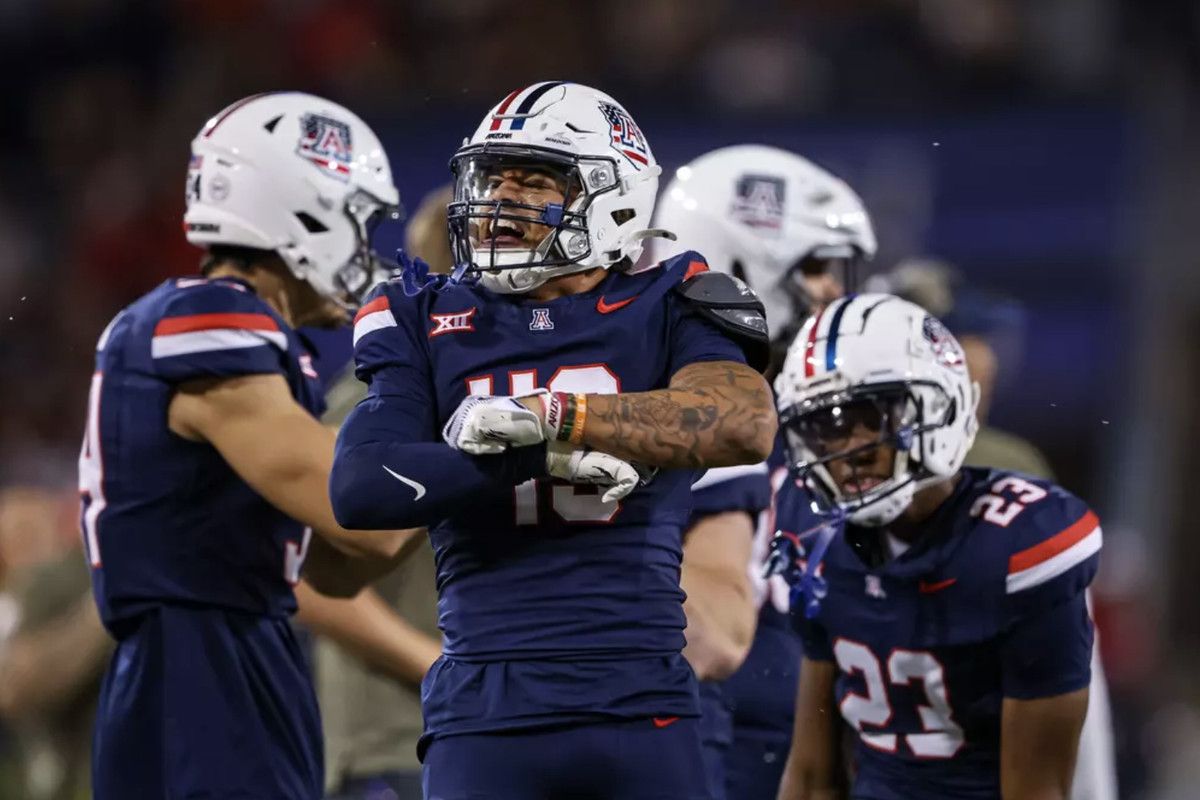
[
  {"x": 794, "y": 233},
  {"x": 507, "y": 410},
  {"x": 204, "y": 471},
  {"x": 942, "y": 608}
]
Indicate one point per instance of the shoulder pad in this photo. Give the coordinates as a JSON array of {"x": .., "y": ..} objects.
[{"x": 733, "y": 307}]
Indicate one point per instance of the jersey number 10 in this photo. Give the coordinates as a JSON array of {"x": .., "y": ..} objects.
[{"x": 566, "y": 500}]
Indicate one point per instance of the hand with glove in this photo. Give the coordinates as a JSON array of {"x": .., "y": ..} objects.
[
  {"x": 484, "y": 425},
  {"x": 576, "y": 465}
]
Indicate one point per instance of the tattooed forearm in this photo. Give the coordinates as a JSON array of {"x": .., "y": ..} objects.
[{"x": 714, "y": 414}]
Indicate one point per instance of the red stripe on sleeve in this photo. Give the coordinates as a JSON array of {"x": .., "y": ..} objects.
[
  {"x": 204, "y": 322},
  {"x": 1057, "y": 543},
  {"x": 378, "y": 304}
]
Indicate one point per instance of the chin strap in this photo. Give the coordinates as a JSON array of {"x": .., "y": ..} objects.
[{"x": 799, "y": 567}]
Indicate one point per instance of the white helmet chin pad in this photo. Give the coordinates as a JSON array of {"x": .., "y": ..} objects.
[{"x": 557, "y": 179}]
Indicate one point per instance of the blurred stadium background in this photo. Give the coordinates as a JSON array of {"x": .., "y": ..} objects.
[{"x": 1048, "y": 149}]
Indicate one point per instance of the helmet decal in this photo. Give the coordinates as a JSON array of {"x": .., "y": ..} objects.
[
  {"x": 326, "y": 142},
  {"x": 627, "y": 138},
  {"x": 945, "y": 347},
  {"x": 759, "y": 202}
]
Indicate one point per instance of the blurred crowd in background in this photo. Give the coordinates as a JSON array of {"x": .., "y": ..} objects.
[{"x": 1047, "y": 149}]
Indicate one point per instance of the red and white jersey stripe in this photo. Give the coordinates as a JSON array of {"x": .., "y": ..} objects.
[
  {"x": 373, "y": 316},
  {"x": 200, "y": 333},
  {"x": 1054, "y": 556}
]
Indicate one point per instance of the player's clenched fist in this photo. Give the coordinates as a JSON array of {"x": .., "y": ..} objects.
[
  {"x": 483, "y": 425},
  {"x": 576, "y": 465}
]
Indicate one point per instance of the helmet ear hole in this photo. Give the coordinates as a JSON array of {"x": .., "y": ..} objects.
[
  {"x": 623, "y": 215},
  {"x": 311, "y": 223}
]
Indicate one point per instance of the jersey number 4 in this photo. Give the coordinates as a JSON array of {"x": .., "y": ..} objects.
[
  {"x": 91, "y": 474},
  {"x": 942, "y": 736},
  {"x": 566, "y": 500}
]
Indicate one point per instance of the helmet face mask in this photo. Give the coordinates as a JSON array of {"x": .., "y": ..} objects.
[
  {"x": 557, "y": 179},
  {"x": 853, "y": 448},
  {"x": 521, "y": 208},
  {"x": 357, "y": 276}
]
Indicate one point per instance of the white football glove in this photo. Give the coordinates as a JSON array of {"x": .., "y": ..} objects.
[
  {"x": 576, "y": 465},
  {"x": 484, "y": 425}
]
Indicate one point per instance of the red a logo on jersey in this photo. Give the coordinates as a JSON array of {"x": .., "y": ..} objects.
[{"x": 452, "y": 323}]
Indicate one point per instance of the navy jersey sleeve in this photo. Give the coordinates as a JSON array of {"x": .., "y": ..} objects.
[
  {"x": 216, "y": 329},
  {"x": 1047, "y": 654},
  {"x": 391, "y": 469},
  {"x": 742, "y": 488},
  {"x": 1054, "y": 550}
]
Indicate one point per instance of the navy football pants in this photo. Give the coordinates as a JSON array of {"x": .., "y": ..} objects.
[
  {"x": 205, "y": 703},
  {"x": 636, "y": 760}
]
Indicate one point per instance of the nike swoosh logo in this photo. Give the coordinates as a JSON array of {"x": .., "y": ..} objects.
[
  {"x": 608, "y": 308},
  {"x": 662, "y": 722},
  {"x": 930, "y": 588},
  {"x": 409, "y": 482}
]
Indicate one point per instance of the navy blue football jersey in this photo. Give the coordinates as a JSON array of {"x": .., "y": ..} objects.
[
  {"x": 166, "y": 519},
  {"x": 988, "y": 603},
  {"x": 556, "y": 607},
  {"x": 192, "y": 570}
]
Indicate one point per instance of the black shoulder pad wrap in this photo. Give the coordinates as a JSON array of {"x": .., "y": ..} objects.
[{"x": 734, "y": 308}]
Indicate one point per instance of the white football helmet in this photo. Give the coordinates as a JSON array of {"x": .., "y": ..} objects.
[
  {"x": 298, "y": 175},
  {"x": 759, "y": 213},
  {"x": 877, "y": 361},
  {"x": 587, "y": 204}
]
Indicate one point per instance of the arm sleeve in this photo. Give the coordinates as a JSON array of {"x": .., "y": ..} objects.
[
  {"x": 391, "y": 469},
  {"x": 214, "y": 329}
]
